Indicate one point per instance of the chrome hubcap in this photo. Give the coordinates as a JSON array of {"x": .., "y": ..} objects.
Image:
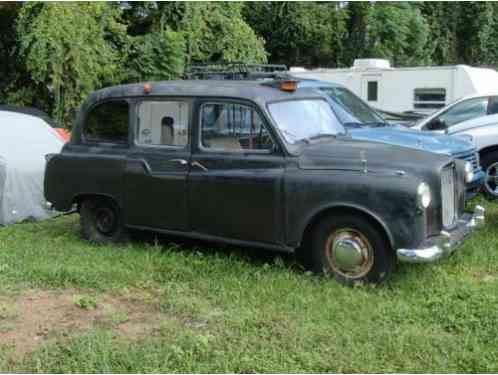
[
  {"x": 491, "y": 183},
  {"x": 349, "y": 253}
]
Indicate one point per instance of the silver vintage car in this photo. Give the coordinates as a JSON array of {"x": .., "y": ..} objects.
[{"x": 476, "y": 116}]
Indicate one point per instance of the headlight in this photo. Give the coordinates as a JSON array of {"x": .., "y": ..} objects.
[
  {"x": 424, "y": 195},
  {"x": 469, "y": 172}
]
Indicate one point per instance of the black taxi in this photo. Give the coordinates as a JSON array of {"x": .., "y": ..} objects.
[{"x": 260, "y": 164}]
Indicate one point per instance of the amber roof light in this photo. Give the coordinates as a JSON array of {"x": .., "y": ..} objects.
[
  {"x": 147, "y": 88},
  {"x": 289, "y": 86}
]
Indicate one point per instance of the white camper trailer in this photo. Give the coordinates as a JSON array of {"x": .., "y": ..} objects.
[{"x": 419, "y": 89}]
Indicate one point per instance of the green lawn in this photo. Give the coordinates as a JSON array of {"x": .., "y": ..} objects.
[{"x": 154, "y": 306}]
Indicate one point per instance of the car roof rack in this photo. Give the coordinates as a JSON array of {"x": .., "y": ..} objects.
[{"x": 236, "y": 71}]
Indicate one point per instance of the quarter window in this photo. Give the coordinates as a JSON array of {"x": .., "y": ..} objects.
[
  {"x": 108, "y": 123},
  {"x": 233, "y": 127},
  {"x": 163, "y": 123},
  {"x": 429, "y": 98}
]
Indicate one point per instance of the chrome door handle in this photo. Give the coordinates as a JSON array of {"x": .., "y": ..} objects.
[
  {"x": 179, "y": 161},
  {"x": 199, "y": 165}
]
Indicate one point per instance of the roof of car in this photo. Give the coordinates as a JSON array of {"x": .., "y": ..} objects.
[
  {"x": 316, "y": 83},
  {"x": 258, "y": 91}
]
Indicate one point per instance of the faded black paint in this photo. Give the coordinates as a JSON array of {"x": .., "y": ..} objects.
[{"x": 262, "y": 199}]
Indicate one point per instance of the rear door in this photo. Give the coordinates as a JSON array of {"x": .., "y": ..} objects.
[{"x": 158, "y": 164}]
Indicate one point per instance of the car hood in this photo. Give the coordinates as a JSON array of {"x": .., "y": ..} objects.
[
  {"x": 402, "y": 136},
  {"x": 346, "y": 153}
]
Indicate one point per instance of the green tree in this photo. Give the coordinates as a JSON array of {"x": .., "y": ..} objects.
[
  {"x": 300, "y": 33},
  {"x": 8, "y": 14},
  {"x": 212, "y": 31},
  {"x": 156, "y": 56},
  {"x": 398, "y": 32},
  {"x": 71, "y": 49}
]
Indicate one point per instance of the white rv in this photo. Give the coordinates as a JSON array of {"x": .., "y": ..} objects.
[{"x": 418, "y": 89}]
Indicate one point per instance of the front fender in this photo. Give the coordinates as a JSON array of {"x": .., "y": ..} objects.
[{"x": 390, "y": 200}]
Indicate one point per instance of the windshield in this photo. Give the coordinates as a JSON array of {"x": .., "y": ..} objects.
[
  {"x": 303, "y": 120},
  {"x": 350, "y": 109}
]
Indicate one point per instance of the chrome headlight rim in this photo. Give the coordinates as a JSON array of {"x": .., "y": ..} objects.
[
  {"x": 424, "y": 195},
  {"x": 469, "y": 172}
]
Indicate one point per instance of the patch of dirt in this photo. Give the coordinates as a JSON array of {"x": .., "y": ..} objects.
[{"x": 38, "y": 316}]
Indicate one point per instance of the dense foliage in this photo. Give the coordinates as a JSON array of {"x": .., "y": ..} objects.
[{"x": 53, "y": 54}]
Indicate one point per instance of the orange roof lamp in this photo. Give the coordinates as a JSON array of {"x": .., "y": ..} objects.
[
  {"x": 147, "y": 88},
  {"x": 288, "y": 86}
]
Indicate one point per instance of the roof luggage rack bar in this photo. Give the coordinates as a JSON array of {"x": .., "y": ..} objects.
[{"x": 235, "y": 71}]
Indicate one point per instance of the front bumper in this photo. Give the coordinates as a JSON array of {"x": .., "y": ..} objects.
[
  {"x": 446, "y": 242},
  {"x": 474, "y": 187}
]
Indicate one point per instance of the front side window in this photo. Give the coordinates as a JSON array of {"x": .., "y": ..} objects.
[
  {"x": 463, "y": 111},
  {"x": 350, "y": 109},
  {"x": 108, "y": 123},
  {"x": 303, "y": 120},
  {"x": 163, "y": 123},
  {"x": 233, "y": 127}
]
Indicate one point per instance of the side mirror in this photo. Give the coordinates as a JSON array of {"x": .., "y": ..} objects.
[{"x": 436, "y": 124}]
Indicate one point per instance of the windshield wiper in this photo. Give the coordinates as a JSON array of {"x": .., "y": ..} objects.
[
  {"x": 353, "y": 124},
  {"x": 376, "y": 124},
  {"x": 322, "y": 135}
]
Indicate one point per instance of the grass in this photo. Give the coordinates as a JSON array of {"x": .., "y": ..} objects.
[{"x": 207, "y": 308}]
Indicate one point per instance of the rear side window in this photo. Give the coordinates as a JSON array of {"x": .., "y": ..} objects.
[
  {"x": 163, "y": 123},
  {"x": 108, "y": 123}
]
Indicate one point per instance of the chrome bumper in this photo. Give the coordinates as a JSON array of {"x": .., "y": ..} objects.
[{"x": 446, "y": 243}]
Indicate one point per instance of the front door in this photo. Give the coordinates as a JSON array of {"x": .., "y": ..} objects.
[
  {"x": 158, "y": 165},
  {"x": 235, "y": 181}
]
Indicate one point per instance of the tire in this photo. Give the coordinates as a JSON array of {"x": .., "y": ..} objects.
[
  {"x": 101, "y": 222},
  {"x": 351, "y": 249},
  {"x": 489, "y": 163}
]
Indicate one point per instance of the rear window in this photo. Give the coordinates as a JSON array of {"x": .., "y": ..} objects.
[{"x": 108, "y": 123}]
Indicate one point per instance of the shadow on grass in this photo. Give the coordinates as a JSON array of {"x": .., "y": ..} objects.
[{"x": 253, "y": 256}]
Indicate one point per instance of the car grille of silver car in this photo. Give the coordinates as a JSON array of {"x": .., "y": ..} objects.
[
  {"x": 449, "y": 195},
  {"x": 472, "y": 157}
]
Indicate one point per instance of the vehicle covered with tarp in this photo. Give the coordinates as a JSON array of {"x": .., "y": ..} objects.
[{"x": 24, "y": 141}]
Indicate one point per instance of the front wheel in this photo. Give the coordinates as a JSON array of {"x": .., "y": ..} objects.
[
  {"x": 350, "y": 249},
  {"x": 489, "y": 163},
  {"x": 101, "y": 221}
]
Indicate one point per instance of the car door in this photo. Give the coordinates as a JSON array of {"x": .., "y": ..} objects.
[
  {"x": 158, "y": 164},
  {"x": 235, "y": 181}
]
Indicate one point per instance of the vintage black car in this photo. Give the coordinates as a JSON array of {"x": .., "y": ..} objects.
[{"x": 261, "y": 164}]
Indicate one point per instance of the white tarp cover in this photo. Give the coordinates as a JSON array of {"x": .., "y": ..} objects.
[{"x": 24, "y": 142}]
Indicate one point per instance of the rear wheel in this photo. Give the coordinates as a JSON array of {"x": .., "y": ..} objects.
[
  {"x": 351, "y": 249},
  {"x": 101, "y": 221},
  {"x": 489, "y": 163}
]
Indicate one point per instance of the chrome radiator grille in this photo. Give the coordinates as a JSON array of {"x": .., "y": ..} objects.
[
  {"x": 448, "y": 196},
  {"x": 472, "y": 157}
]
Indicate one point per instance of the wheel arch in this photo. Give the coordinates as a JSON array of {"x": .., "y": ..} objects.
[
  {"x": 338, "y": 209},
  {"x": 486, "y": 150},
  {"x": 80, "y": 197}
]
